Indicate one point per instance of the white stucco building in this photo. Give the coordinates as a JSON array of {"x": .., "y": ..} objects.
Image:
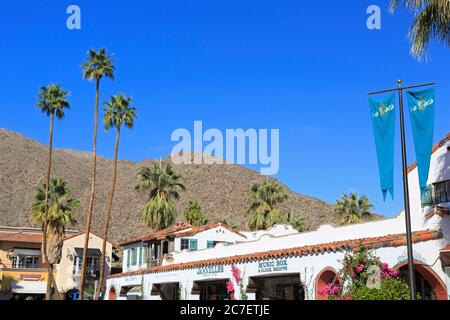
[{"x": 281, "y": 263}]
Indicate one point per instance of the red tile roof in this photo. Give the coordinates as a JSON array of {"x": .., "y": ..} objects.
[
  {"x": 412, "y": 166},
  {"x": 178, "y": 231},
  {"x": 26, "y": 237},
  {"x": 392, "y": 240}
]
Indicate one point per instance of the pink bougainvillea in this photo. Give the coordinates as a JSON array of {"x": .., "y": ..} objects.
[
  {"x": 230, "y": 286},
  {"x": 236, "y": 273},
  {"x": 359, "y": 269},
  {"x": 388, "y": 272},
  {"x": 332, "y": 289}
]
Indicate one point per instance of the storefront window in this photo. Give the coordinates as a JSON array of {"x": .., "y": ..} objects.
[
  {"x": 22, "y": 262},
  {"x": 216, "y": 290},
  {"x": 279, "y": 288}
]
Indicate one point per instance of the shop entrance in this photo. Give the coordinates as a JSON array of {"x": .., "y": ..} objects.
[
  {"x": 211, "y": 290},
  {"x": 428, "y": 283},
  {"x": 277, "y": 287},
  {"x": 166, "y": 291}
]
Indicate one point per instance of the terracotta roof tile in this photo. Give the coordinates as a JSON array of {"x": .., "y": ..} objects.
[
  {"x": 26, "y": 237},
  {"x": 391, "y": 240}
]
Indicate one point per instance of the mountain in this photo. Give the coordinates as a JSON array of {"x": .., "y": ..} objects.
[{"x": 221, "y": 189}]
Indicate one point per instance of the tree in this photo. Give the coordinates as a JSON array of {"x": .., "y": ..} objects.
[
  {"x": 59, "y": 214},
  {"x": 52, "y": 100},
  {"x": 226, "y": 221},
  {"x": 298, "y": 223},
  {"x": 164, "y": 186},
  {"x": 431, "y": 21},
  {"x": 97, "y": 65},
  {"x": 118, "y": 112},
  {"x": 353, "y": 209},
  {"x": 263, "y": 212},
  {"x": 193, "y": 214}
]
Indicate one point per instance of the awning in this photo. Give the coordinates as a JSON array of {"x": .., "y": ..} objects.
[
  {"x": 27, "y": 252},
  {"x": 90, "y": 252}
]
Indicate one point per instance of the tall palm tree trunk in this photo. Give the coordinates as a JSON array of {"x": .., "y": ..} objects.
[
  {"x": 92, "y": 195},
  {"x": 44, "y": 226},
  {"x": 101, "y": 286}
]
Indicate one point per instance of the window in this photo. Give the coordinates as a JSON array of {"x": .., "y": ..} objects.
[
  {"x": 133, "y": 256},
  {"x": 192, "y": 244},
  {"x": 184, "y": 244},
  {"x": 145, "y": 254},
  {"x": 210, "y": 244},
  {"x": 22, "y": 262},
  {"x": 140, "y": 255},
  {"x": 441, "y": 192}
]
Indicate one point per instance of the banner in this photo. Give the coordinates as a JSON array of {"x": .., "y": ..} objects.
[
  {"x": 383, "y": 122},
  {"x": 421, "y": 111}
]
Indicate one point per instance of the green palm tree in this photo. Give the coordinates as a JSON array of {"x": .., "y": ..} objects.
[
  {"x": 60, "y": 213},
  {"x": 353, "y": 209},
  {"x": 298, "y": 223},
  {"x": 193, "y": 214},
  {"x": 52, "y": 100},
  {"x": 98, "y": 65},
  {"x": 431, "y": 21},
  {"x": 164, "y": 186},
  {"x": 118, "y": 112},
  {"x": 263, "y": 212}
]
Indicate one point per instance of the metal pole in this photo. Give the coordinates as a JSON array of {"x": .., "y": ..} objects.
[{"x": 411, "y": 276}]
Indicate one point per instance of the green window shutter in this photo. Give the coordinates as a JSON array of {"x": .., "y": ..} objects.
[
  {"x": 209, "y": 244},
  {"x": 192, "y": 244},
  {"x": 140, "y": 255},
  {"x": 427, "y": 197},
  {"x": 128, "y": 257}
]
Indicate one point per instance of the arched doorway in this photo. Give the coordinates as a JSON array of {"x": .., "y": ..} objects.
[
  {"x": 112, "y": 294},
  {"x": 429, "y": 285},
  {"x": 326, "y": 276}
]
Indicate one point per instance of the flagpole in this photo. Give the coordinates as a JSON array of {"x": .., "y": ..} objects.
[
  {"x": 411, "y": 273},
  {"x": 409, "y": 247}
]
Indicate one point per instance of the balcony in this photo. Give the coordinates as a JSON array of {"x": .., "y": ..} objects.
[{"x": 436, "y": 193}]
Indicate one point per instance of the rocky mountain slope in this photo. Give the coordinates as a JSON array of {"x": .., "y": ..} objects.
[{"x": 222, "y": 190}]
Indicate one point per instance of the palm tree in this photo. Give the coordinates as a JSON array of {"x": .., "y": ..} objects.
[
  {"x": 431, "y": 21},
  {"x": 118, "y": 112},
  {"x": 193, "y": 214},
  {"x": 59, "y": 214},
  {"x": 97, "y": 65},
  {"x": 353, "y": 209},
  {"x": 52, "y": 100},
  {"x": 263, "y": 212},
  {"x": 164, "y": 185},
  {"x": 298, "y": 223}
]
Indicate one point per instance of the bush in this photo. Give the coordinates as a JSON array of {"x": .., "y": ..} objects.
[{"x": 390, "y": 289}]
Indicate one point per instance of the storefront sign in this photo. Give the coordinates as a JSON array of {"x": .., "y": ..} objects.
[
  {"x": 210, "y": 270},
  {"x": 273, "y": 265},
  {"x": 31, "y": 277}
]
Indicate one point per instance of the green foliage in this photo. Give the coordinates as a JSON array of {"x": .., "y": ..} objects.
[
  {"x": 298, "y": 223},
  {"x": 61, "y": 213},
  {"x": 226, "y": 221},
  {"x": 164, "y": 186},
  {"x": 53, "y": 100},
  {"x": 193, "y": 214},
  {"x": 431, "y": 21},
  {"x": 97, "y": 65},
  {"x": 390, "y": 289},
  {"x": 264, "y": 198},
  {"x": 119, "y": 111},
  {"x": 353, "y": 209}
]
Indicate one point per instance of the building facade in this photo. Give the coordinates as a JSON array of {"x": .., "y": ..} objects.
[
  {"x": 284, "y": 264},
  {"x": 22, "y": 273}
]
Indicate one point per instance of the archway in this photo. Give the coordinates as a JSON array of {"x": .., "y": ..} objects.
[
  {"x": 429, "y": 284},
  {"x": 112, "y": 294},
  {"x": 325, "y": 277}
]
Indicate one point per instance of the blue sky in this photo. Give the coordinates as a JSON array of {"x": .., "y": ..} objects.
[{"x": 303, "y": 67}]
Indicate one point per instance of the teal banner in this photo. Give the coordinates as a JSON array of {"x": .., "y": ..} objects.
[
  {"x": 382, "y": 112},
  {"x": 421, "y": 111}
]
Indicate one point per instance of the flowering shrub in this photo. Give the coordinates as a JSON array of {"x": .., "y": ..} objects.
[
  {"x": 364, "y": 277},
  {"x": 239, "y": 281},
  {"x": 230, "y": 286}
]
